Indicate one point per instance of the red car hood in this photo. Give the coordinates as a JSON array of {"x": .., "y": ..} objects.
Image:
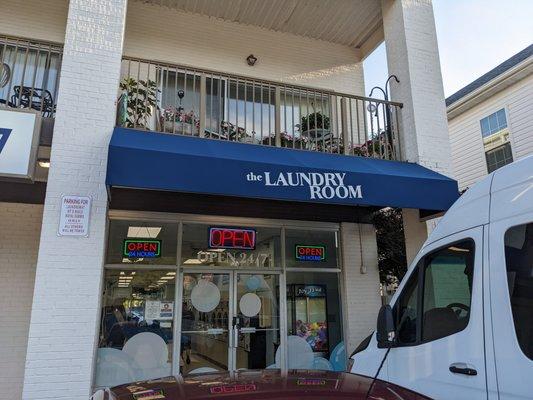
[{"x": 264, "y": 384}]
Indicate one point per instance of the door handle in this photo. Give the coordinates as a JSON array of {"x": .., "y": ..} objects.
[{"x": 463, "y": 368}]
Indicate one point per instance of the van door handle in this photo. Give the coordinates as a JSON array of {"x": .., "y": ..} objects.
[{"x": 462, "y": 368}]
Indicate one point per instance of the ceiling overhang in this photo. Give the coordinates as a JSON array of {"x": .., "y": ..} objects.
[{"x": 353, "y": 23}]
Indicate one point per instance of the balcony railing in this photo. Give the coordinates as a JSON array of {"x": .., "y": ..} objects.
[
  {"x": 189, "y": 101},
  {"x": 29, "y": 74}
]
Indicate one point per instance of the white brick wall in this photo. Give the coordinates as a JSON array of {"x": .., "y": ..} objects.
[
  {"x": 468, "y": 153},
  {"x": 164, "y": 34},
  {"x": 34, "y": 19},
  {"x": 62, "y": 334},
  {"x": 362, "y": 300},
  {"x": 20, "y": 226},
  {"x": 413, "y": 55}
]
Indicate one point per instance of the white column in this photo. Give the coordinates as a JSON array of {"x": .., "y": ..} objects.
[
  {"x": 413, "y": 56},
  {"x": 360, "y": 279},
  {"x": 64, "y": 319},
  {"x": 415, "y": 232}
]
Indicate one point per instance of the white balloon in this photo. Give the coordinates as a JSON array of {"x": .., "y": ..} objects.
[
  {"x": 205, "y": 296},
  {"x": 113, "y": 367},
  {"x": 147, "y": 349},
  {"x": 250, "y": 305},
  {"x": 323, "y": 364},
  {"x": 299, "y": 353}
]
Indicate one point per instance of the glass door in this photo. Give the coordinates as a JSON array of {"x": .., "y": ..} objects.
[
  {"x": 229, "y": 321},
  {"x": 206, "y": 309},
  {"x": 256, "y": 323}
]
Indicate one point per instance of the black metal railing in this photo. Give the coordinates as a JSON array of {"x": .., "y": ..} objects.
[
  {"x": 29, "y": 74},
  {"x": 190, "y": 101}
]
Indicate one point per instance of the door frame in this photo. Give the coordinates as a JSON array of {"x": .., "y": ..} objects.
[{"x": 232, "y": 304}]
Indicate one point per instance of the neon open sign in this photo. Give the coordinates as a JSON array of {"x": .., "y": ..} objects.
[
  {"x": 310, "y": 253},
  {"x": 142, "y": 248},
  {"x": 232, "y": 238}
]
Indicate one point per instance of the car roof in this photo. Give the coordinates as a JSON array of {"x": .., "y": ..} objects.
[
  {"x": 492, "y": 198},
  {"x": 264, "y": 384}
]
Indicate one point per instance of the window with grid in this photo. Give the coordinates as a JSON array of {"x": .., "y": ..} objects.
[
  {"x": 499, "y": 157},
  {"x": 493, "y": 123}
]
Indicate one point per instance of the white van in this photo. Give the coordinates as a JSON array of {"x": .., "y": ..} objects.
[{"x": 460, "y": 325}]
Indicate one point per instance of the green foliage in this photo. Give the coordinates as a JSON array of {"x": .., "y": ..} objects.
[
  {"x": 392, "y": 261},
  {"x": 141, "y": 101},
  {"x": 314, "y": 120}
]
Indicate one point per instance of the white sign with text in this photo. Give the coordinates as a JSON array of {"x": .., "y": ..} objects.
[
  {"x": 74, "y": 217},
  {"x": 19, "y": 137}
]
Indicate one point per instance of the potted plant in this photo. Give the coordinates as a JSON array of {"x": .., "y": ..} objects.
[
  {"x": 137, "y": 102},
  {"x": 315, "y": 124},
  {"x": 176, "y": 120}
]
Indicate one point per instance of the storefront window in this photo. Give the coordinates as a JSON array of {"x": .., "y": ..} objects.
[
  {"x": 222, "y": 246},
  {"x": 136, "y": 326},
  {"x": 142, "y": 242},
  {"x": 311, "y": 249},
  {"x": 314, "y": 322}
]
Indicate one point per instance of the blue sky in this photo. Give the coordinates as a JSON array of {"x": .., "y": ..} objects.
[{"x": 474, "y": 36}]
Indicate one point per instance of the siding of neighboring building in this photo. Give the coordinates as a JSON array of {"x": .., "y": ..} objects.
[
  {"x": 468, "y": 154},
  {"x": 20, "y": 227},
  {"x": 161, "y": 33}
]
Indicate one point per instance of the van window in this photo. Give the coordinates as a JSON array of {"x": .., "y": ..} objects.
[
  {"x": 519, "y": 262},
  {"x": 447, "y": 290},
  {"x": 406, "y": 311},
  {"x": 437, "y": 295}
]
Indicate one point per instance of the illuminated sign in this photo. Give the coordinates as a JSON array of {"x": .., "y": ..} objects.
[
  {"x": 19, "y": 140},
  {"x": 232, "y": 238},
  {"x": 311, "y": 291},
  {"x": 310, "y": 253},
  {"x": 150, "y": 394},
  {"x": 142, "y": 248},
  {"x": 310, "y": 382},
  {"x": 239, "y": 388}
]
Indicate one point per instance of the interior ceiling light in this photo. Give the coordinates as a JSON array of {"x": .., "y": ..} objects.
[
  {"x": 143, "y": 232},
  {"x": 167, "y": 277},
  {"x": 171, "y": 273}
]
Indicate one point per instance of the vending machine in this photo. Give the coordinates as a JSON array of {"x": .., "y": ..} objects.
[{"x": 307, "y": 315}]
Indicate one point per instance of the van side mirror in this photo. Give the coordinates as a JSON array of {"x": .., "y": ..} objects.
[{"x": 385, "y": 332}]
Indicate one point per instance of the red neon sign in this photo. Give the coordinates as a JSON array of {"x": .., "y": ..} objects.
[{"x": 232, "y": 238}]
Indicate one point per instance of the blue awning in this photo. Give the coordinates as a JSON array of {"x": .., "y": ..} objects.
[{"x": 158, "y": 161}]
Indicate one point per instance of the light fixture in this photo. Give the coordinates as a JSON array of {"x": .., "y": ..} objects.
[
  {"x": 44, "y": 162},
  {"x": 144, "y": 232},
  {"x": 171, "y": 273},
  {"x": 251, "y": 60}
]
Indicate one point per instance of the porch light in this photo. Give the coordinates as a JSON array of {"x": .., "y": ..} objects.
[
  {"x": 251, "y": 60},
  {"x": 44, "y": 162}
]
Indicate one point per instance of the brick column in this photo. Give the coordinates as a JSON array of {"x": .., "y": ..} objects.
[
  {"x": 362, "y": 298},
  {"x": 413, "y": 56},
  {"x": 63, "y": 327}
]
